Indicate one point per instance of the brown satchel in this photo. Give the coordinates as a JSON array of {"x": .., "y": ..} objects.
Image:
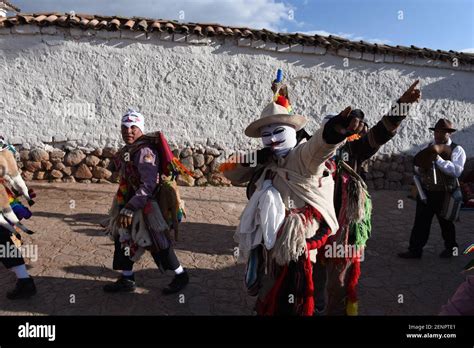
[{"x": 171, "y": 205}]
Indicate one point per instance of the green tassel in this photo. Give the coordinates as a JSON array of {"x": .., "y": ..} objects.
[{"x": 361, "y": 231}]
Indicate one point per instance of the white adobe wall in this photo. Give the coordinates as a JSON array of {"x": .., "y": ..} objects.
[{"x": 61, "y": 84}]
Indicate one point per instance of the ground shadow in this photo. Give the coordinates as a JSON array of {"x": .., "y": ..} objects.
[
  {"x": 209, "y": 292},
  {"x": 90, "y": 221}
]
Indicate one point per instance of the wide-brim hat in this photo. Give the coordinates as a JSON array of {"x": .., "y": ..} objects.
[
  {"x": 274, "y": 113},
  {"x": 444, "y": 125}
]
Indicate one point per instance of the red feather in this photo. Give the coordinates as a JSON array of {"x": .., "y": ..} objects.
[{"x": 281, "y": 100}]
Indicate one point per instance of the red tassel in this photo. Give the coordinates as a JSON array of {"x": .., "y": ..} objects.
[
  {"x": 308, "y": 309},
  {"x": 353, "y": 280},
  {"x": 166, "y": 155},
  {"x": 316, "y": 244},
  {"x": 269, "y": 305}
]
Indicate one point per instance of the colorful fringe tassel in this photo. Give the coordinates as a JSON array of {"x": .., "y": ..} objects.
[
  {"x": 352, "y": 302},
  {"x": 18, "y": 208}
]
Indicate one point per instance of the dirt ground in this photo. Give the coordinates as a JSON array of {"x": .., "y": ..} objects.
[{"x": 75, "y": 259}]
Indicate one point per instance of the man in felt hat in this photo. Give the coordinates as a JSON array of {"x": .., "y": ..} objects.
[
  {"x": 438, "y": 179},
  {"x": 290, "y": 213},
  {"x": 139, "y": 170}
]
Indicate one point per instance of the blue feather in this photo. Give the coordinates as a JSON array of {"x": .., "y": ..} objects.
[{"x": 279, "y": 76}]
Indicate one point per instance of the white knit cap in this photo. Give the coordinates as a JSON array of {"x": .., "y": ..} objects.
[{"x": 133, "y": 118}]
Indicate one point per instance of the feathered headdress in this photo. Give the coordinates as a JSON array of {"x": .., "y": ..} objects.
[
  {"x": 278, "y": 111},
  {"x": 280, "y": 91}
]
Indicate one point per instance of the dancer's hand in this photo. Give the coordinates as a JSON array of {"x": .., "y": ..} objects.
[
  {"x": 125, "y": 218},
  {"x": 348, "y": 124},
  {"x": 400, "y": 110},
  {"x": 411, "y": 95},
  {"x": 341, "y": 126}
]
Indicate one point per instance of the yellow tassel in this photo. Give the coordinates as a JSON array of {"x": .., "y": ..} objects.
[{"x": 352, "y": 308}]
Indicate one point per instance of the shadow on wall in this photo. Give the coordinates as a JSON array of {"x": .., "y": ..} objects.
[
  {"x": 455, "y": 85},
  {"x": 451, "y": 84}
]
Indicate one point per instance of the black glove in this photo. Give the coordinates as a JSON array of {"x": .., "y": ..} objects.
[
  {"x": 263, "y": 155},
  {"x": 331, "y": 134}
]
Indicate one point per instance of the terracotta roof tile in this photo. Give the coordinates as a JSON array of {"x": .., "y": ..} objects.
[
  {"x": 84, "y": 22},
  {"x": 247, "y": 33},
  {"x": 93, "y": 23},
  {"x": 156, "y": 25},
  {"x": 97, "y": 22},
  {"x": 169, "y": 27},
  {"x": 114, "y": 24},
  {"x": 62, "y": 21},
  {"x": 237, "y": 32},
  {"x": 101, "y": 25},
  {"x": 129, "y": 24},
  {"x": 209, "y": 31},
  {"x": 197, "y": 30},
  {"x": 184, "y": 29},
  {"x": 142, "y": 25},
  {"x": 40, "y": 18}
]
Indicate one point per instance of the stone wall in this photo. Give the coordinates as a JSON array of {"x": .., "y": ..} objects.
[
  {"x": 87, "y": 165},
  {"x": 390, "y": 172}
]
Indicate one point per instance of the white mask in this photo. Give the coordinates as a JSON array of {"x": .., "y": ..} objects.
[{"x": 280, "y": 137}]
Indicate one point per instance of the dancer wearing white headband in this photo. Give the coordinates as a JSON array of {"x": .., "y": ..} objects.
[
  {"x": 136, "y": 223},
  {"x": 133, "y": 118}
]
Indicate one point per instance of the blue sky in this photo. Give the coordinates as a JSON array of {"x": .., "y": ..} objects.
[{"x": 437, "y": 24}]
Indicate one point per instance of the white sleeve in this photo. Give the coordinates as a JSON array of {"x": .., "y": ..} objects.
[{"x": 456, "y": 165}]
